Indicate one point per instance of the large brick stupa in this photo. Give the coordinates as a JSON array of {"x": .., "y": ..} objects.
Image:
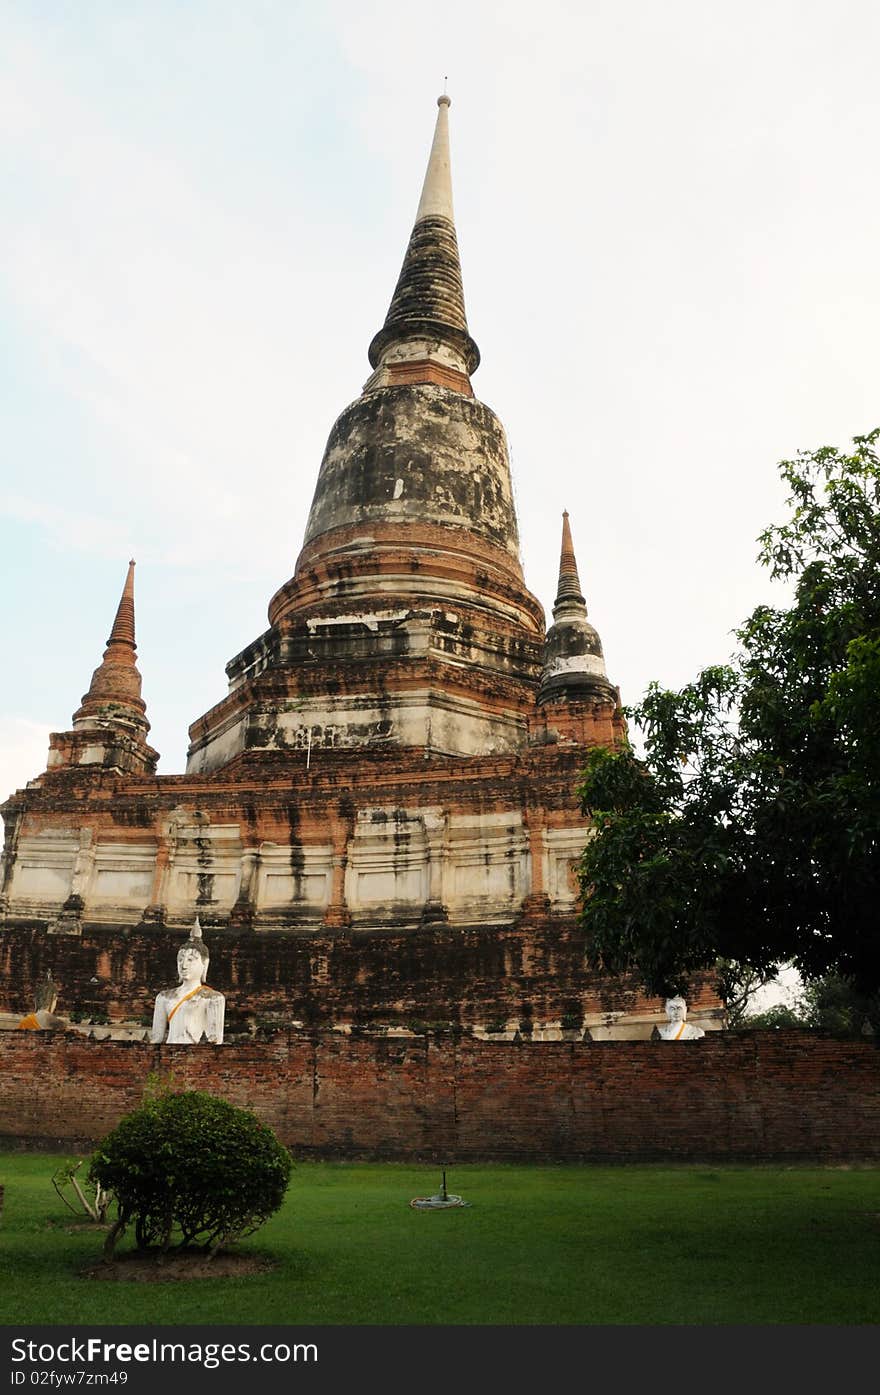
[{"x": 378, "y": 824}]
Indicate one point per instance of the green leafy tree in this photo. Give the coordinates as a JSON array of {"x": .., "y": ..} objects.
[
  {"x": 190, "y": 1167},
  {"x": 749, "y": 835},
  {"x": 774, "y": 1019},
  {"x": 830, "y": 1004},
  {"x": 833, "y": 1004}
]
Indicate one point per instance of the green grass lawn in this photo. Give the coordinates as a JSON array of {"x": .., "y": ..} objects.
[{"x": 540, "y": 1245}]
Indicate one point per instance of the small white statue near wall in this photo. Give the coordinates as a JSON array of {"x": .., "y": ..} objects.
[
  {"x": 191, "y": 1011},
  {"x": 678, "y": 1028}
]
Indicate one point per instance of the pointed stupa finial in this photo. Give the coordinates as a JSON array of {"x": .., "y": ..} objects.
[
  {"x": 123, "y": 625},
  {"x": 573, "y": 661},
  {"x": 110, "y": 726},
  {"x": 426, "y": 322},
  {"x": 115, "y": 690},
  {"x": 436, "y": 197},
  {"x": 569, "y": 588}
]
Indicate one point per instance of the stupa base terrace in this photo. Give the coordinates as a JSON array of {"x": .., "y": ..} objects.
[{"x": 442, "y": 892}]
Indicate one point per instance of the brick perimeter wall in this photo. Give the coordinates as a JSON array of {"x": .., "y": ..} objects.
[{"x": 754, "y": 1096}]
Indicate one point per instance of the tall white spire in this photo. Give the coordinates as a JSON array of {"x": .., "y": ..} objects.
[{"x": 436, "y": 200}]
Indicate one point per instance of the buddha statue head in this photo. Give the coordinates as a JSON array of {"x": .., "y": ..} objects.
[
  {"x": 676, "y": 1009},
  {"x": 193, "y": 957},
  {"x": 46, "y": 995}
]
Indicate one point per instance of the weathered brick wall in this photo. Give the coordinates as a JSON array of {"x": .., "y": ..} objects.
[
  {"x": 435, "y": 975},
  {"x": 761, "y": 1095}
]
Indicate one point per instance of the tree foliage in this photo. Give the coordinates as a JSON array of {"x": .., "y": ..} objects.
[
  {"x": 831, "y": 1004},
  {"x": 191, "y": 1167},
  {"x": 750, "y": 832}
]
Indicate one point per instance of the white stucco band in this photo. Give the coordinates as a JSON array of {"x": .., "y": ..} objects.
[
  {"x": 577, "y": 663},
  {"x": 398, "y": 861}
]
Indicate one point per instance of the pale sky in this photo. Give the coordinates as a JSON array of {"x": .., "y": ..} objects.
[{"x": 669, "y": 221}]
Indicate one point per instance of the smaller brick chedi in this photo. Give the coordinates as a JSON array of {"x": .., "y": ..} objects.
[{"x": 379, "y": 820}]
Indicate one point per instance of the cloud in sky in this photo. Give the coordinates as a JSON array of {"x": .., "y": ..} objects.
[
  {"x": 163, "y": 317},
  {"x": 668, "y": 228},
  {"x": 23, "y": 748}
]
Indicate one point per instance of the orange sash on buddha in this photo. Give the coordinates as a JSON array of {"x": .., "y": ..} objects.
[
  {"x": 191, "y": 994},
  {"x": 29, "y": 1023}
]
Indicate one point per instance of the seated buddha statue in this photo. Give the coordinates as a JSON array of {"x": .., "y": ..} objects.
[
  {"x": 677, "y": 1028},
  {"x": 190, "y": 1011},
  {"x": 43, "y": 1018}
]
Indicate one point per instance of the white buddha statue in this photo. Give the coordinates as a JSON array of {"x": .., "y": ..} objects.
[
  {"x": 677, "y": 1028},
  {"x": 186, "y": 1013},
  {"x": 43, "y": 1018}
]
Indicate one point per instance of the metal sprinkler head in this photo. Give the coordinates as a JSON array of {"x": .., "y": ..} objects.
[{"x": 441, "y": 1201}]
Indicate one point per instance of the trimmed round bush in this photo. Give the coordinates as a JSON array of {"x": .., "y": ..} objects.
[{"x": 190, "y": 1168}]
